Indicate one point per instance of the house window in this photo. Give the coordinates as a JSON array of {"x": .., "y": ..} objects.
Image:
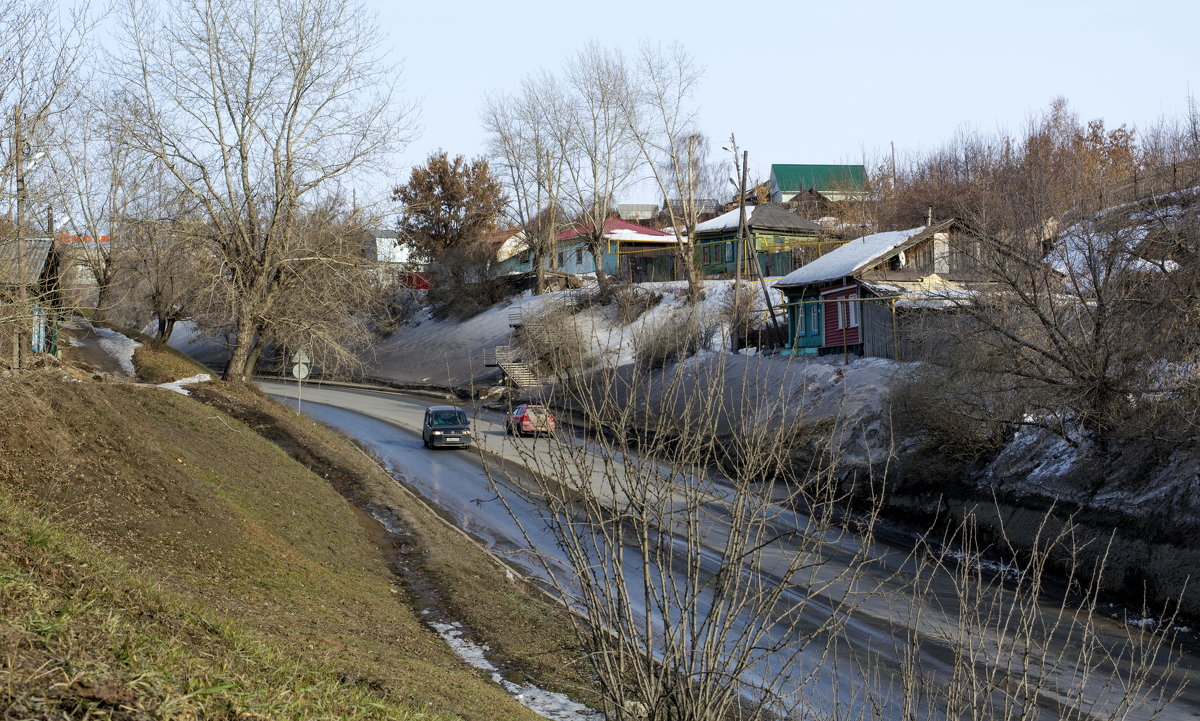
[
  {"x": 853, "y": 309},
  {"x": 579, "y": 256},
  {"x": 562, "y": 258},
  {"x": 841, "y": 310},
  {"x": 814, "y": 319},
  {"x": 731, "y": 251}
]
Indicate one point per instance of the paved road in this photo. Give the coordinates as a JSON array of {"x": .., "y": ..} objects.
[{"x": 456, "y": 481}]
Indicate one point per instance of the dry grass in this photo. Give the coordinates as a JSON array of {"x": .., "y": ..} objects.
[
  {"x": 163, "y": 365},
  {"x": 525, "y": 632},
  {"x": 135, "y": 518}
]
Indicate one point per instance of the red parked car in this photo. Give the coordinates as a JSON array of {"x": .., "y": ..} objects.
[{"x": 530, "y": 419}]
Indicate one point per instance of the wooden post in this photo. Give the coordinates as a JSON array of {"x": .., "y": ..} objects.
[
  {"x": 24, "y": 316},
  {"x": 895, "y": 333},
  {"x": 740, "y": 250}
]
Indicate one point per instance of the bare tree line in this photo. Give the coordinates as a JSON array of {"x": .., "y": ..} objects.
[
  {"x": 211, "y": 149},
  {"x": 1088, "y": 239},
  {"x": 567, "y": 145}
]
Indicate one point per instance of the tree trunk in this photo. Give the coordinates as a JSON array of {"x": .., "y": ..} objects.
[
  {"x": 166, "y": 326},
  {"x": 597, "y": 250},
  {"x": 684, "y": 255},
  {"x": 255, "y": 353},
  {"x": 539, "y": 268},
  {"x": 243, "y": 347},
  {"x": 103, "y": 291}
]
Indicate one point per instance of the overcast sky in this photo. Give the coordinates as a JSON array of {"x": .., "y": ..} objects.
[{"x": 816, "y": 82}]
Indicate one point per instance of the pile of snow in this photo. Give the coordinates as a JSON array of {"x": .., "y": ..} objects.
[
  {"x": 1082, "y": 251},
  {"x": 119, "y": 346},
  {"x": 450, "y": 352},
  {"x": 544, "y": 703},
  {"x": 178, "y": 386}
]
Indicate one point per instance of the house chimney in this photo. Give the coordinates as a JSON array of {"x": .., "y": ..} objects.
[{"x": 941, "y": 253}]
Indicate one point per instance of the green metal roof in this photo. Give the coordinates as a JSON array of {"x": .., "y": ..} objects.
[{"x": 795, "y": 178}]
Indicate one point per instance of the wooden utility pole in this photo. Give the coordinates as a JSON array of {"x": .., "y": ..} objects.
[
  {"x": 741, "y": 235},
  {"x": 762, "y": 283},
  {"x": 22, "y": 301}
]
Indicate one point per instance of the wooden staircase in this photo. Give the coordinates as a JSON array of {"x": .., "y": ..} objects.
[
  {"x": 520, "y": 375},
  {"x": 505, "y": 358},
  {"x": 537, "y": 331}
]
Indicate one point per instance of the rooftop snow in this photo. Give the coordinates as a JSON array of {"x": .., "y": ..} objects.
[
  {"x": 725, "y": 220},
  {"x": 767, "y": 215},
  {"x": 850, "y": 258}
]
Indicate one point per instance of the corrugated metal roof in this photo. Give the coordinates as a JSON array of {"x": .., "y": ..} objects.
[
  {"x": 796, "y": 178},
  {"x": 768, "y": 216},
  {"x": 37, "y": 251},
  {"x": 611, "y": 226}
]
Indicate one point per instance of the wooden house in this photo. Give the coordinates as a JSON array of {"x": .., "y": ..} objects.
[
  {"x": 779, "y": 240},
  {"x": 32, "y": 264},
  {"x": 873, "y": 295},
  {"x": 632, "y": 252}
]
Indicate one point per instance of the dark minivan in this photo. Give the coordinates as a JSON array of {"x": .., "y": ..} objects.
[{"x": 446, "y": 426}]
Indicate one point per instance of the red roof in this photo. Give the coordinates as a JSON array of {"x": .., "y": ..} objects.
[{"x": 610, "y": 225}]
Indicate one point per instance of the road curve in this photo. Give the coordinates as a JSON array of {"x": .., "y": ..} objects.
[{"x": 456, "y": 481}]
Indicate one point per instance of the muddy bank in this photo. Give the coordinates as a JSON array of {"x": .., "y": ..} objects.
[{"x": 1137, "y": 519}]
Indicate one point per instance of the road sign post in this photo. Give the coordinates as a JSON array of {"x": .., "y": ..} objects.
[{"x": 300, "y": 362}]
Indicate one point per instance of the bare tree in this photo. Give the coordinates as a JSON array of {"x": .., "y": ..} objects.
[
  {"x": 990, "y": 638},
  {"x": 523, "y": 147},
  {"x": 662, "y": 123},
  {"x": 715, "y": 576},
  {"x": 258, "y": 109},
  {"x": 596, "y": 144},
  {"x": 687, "y": 602},
  {"x": 99, "y": 179},
  {"x": 1088, "y": 248},
  {"x": 167, "y": 265}
]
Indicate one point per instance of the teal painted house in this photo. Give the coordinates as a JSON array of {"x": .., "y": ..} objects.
[
  {"x": 632, "y": 252},
  {"x": 880, "y": 295}
]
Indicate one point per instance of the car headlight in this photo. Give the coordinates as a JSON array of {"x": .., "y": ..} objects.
[
  {"x": 466, "y": 432},
  {"x": 437, "y": 433}
]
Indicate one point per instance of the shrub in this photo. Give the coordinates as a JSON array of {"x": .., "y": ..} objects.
[
  {"x": 633, "y": 301},
  {"x": 678, "y": 336}
]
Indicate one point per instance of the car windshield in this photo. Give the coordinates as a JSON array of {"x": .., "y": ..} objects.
[
  {"x": 535, "y": 413},
  {"x": 447, "y": 418}
]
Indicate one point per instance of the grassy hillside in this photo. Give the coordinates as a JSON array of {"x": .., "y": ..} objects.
[{"x": 161, "y": 559}]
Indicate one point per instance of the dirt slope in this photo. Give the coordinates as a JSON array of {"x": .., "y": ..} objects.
[{"x": 161, "y": 559}]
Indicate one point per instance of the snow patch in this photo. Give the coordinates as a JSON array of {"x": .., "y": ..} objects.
[
  {"x": 178, "y": 386},
  {"x": 976, "y": 561},
  {"x": 545, "y": 703},
  {"x": 119, "y": 346}
]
